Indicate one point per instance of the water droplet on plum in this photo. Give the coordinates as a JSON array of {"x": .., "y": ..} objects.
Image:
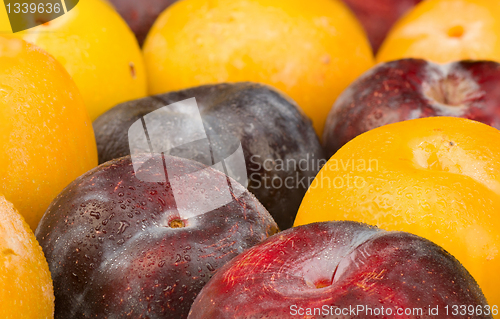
[
  {"x": 96, "y": 215},
  {"x": 210, "y": 267}
]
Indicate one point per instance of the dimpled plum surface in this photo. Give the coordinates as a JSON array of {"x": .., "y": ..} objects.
[
  {"x": 117, "y": 247},
  {"x": 337, "y": 264},
  {"x": 281, "y": 149},
  {"x": 414, "y": 88}
]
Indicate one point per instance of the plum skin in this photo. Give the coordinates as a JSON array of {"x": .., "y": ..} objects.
[
  {"x": 378, "y": 16},
  {"x": 336, "y": 264},
  {"x": 114, "y": 252},
  {"x": 140, "y": 15},
  {"x": 414, "y": 88},
  {"x": 270, "y": 127}
]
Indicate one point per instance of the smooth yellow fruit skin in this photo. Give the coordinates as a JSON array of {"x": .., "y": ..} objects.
[
  {"x": 4, "y": 20},
  {"x": 26, "y": 290},
  {"x": 98, "y": 50},
  {"x": 46, "y": 136},
  {"x": 310, "y": 50},
  {"x": 438, "y": 178},
  {"x": 446, "y": 30}
]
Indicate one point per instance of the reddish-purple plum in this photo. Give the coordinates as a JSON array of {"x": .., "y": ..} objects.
[
  {"x": 414, "y": 88},
  {"x": 378, "y": 16},
  {"x": 141, "y": 14},
  {"x": 119, "y": 247},
  {"x": 340, "y": 270}
]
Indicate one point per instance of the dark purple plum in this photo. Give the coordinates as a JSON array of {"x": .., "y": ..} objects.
[
  {"x": 280, "y": 147},
  {"x": 119, "y": 247}
]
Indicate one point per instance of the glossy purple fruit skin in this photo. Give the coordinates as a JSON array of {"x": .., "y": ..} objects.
[
  {"x": 112, "y": 253},
  {"x": 141, "y": 14},
  {"x": 407, "y": 89},
  {"x": 361, "y": 265},
  {"x": 378, "y": 16},
  {"x": 270, "y": 127}
]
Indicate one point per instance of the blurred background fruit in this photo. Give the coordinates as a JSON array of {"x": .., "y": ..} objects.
[
  {"x": 46, "y": 137},
  {"x": 311, "y": 50},
  {"x": 445, "y": 31},
  {"x": 98, "y": 50},
  {"x": 434, "y": 177},
  {"x": 378, "y": 16},
  {"x": 25, "y": 283},
  {"x": 140, "y": 15},
  {"x": 4, "y": 21},
  {"x": 413, "y": 88}
]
